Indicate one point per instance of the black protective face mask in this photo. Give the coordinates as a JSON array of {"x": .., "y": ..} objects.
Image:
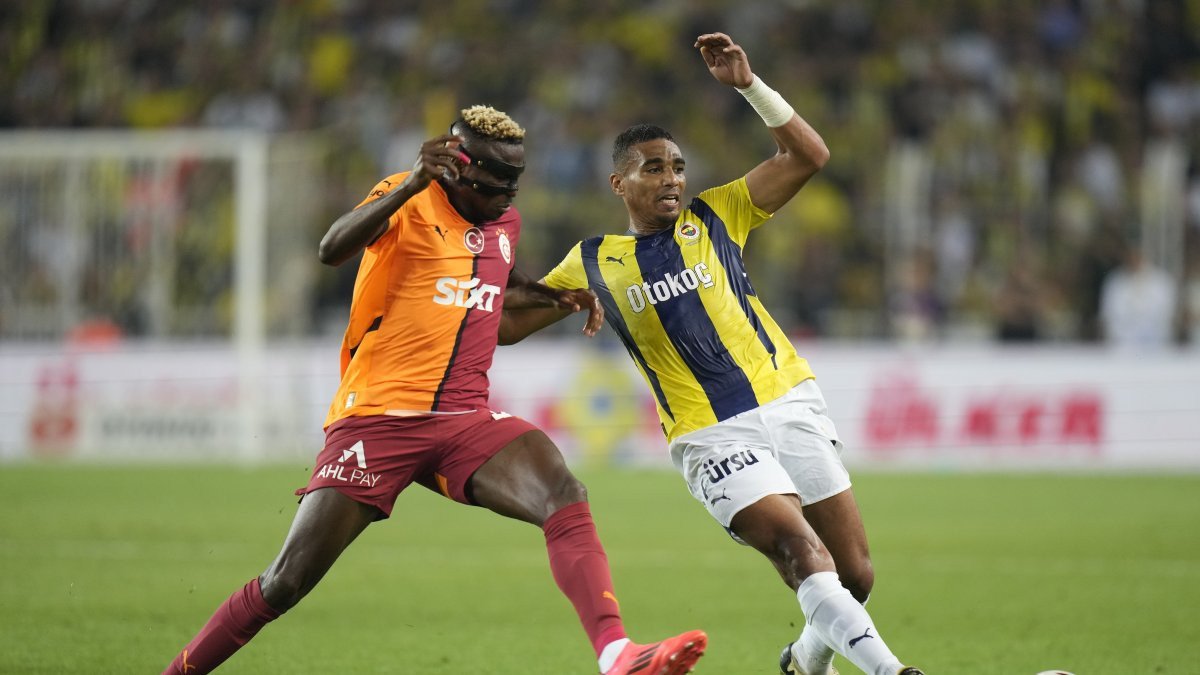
[{"x": 494, "y": 167}]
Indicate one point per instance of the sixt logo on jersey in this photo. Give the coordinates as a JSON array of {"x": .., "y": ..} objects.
[
  {"x": 471, "y": 294},
  {"x": 670, "y": 286}
]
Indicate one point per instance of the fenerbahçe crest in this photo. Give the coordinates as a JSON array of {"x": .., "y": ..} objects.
[{"x": 688, "y": 230}]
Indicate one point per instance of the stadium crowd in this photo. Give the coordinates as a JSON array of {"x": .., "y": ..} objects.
[{"x": 993, "y": 162}]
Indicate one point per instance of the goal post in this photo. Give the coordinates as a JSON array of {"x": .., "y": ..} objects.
[{"x": 163, "y": 237}]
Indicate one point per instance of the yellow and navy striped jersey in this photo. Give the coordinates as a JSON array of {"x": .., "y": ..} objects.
[{"x": 681, "y": 302}]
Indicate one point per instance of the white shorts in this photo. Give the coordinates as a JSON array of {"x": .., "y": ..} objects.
[{"x": 787, "y": 446}]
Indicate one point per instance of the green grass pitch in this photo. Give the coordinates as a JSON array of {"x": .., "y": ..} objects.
[{"x": 112, "y": 569}]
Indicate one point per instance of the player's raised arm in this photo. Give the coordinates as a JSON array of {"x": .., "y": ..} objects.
[
  {"x": 801, "y": 153},
  {"x": 357, "y": 229}
]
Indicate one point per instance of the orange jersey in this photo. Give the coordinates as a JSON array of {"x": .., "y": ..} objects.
[{"x": 426, "y": 309}]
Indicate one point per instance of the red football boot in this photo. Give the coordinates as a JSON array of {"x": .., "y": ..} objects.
[{"x": 673, "y": 656}]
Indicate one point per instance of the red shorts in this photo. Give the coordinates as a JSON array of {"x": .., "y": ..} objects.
[{"x": 372, "y": 459}]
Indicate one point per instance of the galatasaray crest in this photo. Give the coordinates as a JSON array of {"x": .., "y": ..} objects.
[{"x": 505, "y": 246}]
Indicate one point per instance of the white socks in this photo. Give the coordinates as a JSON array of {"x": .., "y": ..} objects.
[
  {"x": 811, "y": 653},
  {"x": 836, "y": 618}
]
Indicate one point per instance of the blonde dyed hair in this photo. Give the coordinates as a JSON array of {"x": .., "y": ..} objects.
[{"x": 491, "y": 123}]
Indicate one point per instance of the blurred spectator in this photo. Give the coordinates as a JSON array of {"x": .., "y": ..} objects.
[
  {"x": 1137, "y": 304},
  {"x": 1191, "y": 306},
  {"x": 95, "y": 334},
  {"x": 1019, "y": 306},
  {"x": 916, "y": 311},
  {"x": 245, "y": 106},
  {"x": 1033, "y": 113},
  {"x": 1100, "y": 173},
  {"x": 955, "y": 247}
]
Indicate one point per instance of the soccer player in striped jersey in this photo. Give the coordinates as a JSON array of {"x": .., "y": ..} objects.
[
  {"x": 438, "y": 267},
  {"x": 745, "y": 422}
]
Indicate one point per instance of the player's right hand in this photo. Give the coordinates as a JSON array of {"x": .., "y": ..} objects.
[
  {"x": 579, "y": 299},
  {"x": 725, "y": 59},
  {"x": 439, "y": 156}
]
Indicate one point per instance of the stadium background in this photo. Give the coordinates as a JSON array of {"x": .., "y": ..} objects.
[
  {"x": 166, "y": 170},
  {"x": 992, "y": 166}
]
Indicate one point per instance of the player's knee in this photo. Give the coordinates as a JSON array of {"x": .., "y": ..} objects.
[
  {"x": 858, "y": 578},
  {"x": 797, "y": 556},
  {"x": 282, "y": 589},
  {"x": 566, "y": 491},
  {"x": 557, "y": 494}
]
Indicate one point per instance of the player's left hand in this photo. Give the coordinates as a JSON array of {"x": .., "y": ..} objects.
[
  {"x": 725, "y": 60},
  {"x": 578, "y": 299}
]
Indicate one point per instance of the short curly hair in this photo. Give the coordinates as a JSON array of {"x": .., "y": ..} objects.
[
  {"x": 623, "y": 152},
  {"x": 490, "y": 124}
]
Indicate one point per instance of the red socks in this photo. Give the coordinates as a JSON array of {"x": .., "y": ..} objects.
[
  {"x": 577, "y": 561},
  {"x": 233, "y": 624},
  {"x": 580, "y": 568}
]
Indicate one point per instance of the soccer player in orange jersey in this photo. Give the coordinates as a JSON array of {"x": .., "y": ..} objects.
[{"x": 440, "y": 243}]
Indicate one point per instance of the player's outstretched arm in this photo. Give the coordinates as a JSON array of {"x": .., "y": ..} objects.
[
  {"x": 801, "y": 153},
  {"x": 357, "y": 229},
  {"x": 518, "y": 324},
  {"x": 530, "y": 306}
]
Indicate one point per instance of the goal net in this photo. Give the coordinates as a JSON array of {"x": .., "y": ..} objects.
[{"x": 150, "y": 281}]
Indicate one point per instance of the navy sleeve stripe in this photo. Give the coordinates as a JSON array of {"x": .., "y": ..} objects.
[
  {"x": 691, "y": 331},
  {"x": 730, "y": 256},
  {"x": 589, "y": 251}
]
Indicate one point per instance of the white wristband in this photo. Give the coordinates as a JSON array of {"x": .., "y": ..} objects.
[{"x": 767, "y": 102}]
